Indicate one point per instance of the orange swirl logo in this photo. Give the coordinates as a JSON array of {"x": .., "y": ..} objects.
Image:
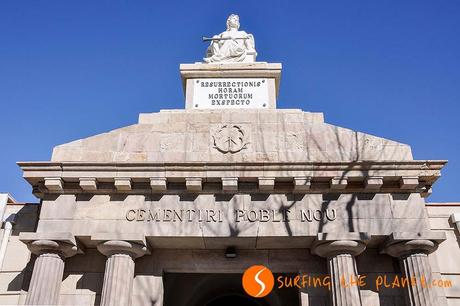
[{"x": 258, "y": 281}]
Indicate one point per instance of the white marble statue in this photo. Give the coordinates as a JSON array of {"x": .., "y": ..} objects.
[{"x": 232, "y": 45}]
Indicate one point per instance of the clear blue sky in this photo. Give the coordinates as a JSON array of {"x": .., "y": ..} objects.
[{"x": 71, "y": 69}]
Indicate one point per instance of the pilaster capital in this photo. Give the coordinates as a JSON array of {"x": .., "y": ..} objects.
[
  {"x": 109, "y": 244},
  {"x": 400, "y": 244},
  {"x": 331, "y": 244},
  {"x": 63, "y": 244}
]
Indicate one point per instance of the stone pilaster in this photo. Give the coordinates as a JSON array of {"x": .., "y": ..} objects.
[
  {"x": 119, "y": 270},
  {"x": 45, "y": 284},
  {"x": 341, "y": 264},
  {"x": 412, "y": 251}
]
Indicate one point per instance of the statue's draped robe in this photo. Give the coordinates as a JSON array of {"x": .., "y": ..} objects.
[{"x": 232, "y": 50}]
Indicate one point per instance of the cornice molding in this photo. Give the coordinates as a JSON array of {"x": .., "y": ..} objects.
[{"x": 344, "y": 177}]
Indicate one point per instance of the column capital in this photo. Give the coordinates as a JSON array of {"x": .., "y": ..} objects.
[
  {"x": 109, "y": 244},
  {"x": 63, "y": 244},
  {"x": 331, "y": 244},
  {"x": 400, "y": 244},
  {"x": 111, "y": 247}
]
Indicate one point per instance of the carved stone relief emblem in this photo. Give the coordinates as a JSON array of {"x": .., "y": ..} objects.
[{"x": 230, "y": 138}]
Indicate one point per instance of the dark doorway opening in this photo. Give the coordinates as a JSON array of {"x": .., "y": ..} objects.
[
  {"x": 219, "y": 289},
  {"x": 232, "y": 300}
]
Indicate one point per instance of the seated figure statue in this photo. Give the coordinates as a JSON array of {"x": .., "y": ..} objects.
[{"x": 232, "y": 45}]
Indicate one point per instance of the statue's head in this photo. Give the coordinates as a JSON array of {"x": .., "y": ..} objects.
[{"x": 233, "y": 21}]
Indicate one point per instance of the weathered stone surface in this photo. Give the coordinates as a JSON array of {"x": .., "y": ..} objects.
[
  {"x": 417, "y": 266},
  {"x": 266, "y": 183},
  {"x": 412, "y": 249},
  {"x": 339, "y": 183},
  {"x": 76, "y": 299},
  {"x": 54, "y": 184},
  {"x": 229, "y": 184},
  {"x": 123, "y": 184},
  {"x": 340, "y": 250},
  {"x": 158, "y": 184},
  {"x": 302, "y": 184},
  {"x": 447, "y": 254},
  {"x": 48, "y": 270},
  {"x": 119, "y": 269},
  {"x": 118, "y": 280},
  {"x": 58, "y": 207},
  {"x": 291, "y": 134},
  {"x": 10, "y": 299},
  {"x": 408, "y": 182},
  {"x": 408, "y": 206},
  {"x": 88, "y": 184},
  {"x": 10, "y": 283},
  {"x": 343, "y": 266},
  {"x": 17, "y": 255},
  {"x": 62, "y": 243},
  {"x": 259, "y": 216},
  {"x": 148, "y": 290},
  {"x": 193, "y": 184},
  {"x": 373, "y": 183}
]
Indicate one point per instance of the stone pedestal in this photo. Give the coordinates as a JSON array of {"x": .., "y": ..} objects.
[
  {"x": 48, "y": 271},
  {"x": 415, "y": 265},
  {"x": 341, "y": 265},
  {"x": 119, "y": 270},
  {"x": 230, "y": 85}
]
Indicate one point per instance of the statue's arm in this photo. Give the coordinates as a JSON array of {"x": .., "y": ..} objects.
[{"x": 251, "y": 43}]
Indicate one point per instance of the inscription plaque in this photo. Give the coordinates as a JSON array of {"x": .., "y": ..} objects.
[{"x": 217, "y": 93}]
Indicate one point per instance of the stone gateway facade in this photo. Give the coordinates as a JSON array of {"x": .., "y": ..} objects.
[{"x": 172, "y": 210}]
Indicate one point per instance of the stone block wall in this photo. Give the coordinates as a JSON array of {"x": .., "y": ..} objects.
[
  {"x": 445, "y": 261},
  {"x": 17, "y": 266}
]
